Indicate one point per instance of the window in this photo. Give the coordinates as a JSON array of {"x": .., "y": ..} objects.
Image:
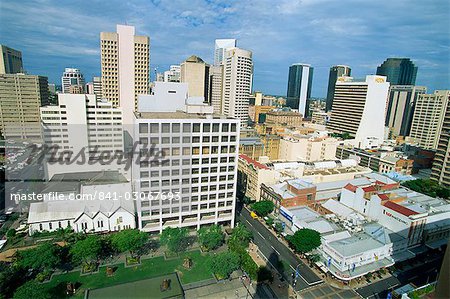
[
  {"x": 175, "y": 162},
  {"x": 206, "y": 128},
  {"x": 154, "y": 174},
  {"x": 165, "y": 128},
  {"x": 59, "y": 224},
  {"x": 215, "y": 127},
  {"x": 233, "y": 127},
  {"x": 186, "y": 128},
  {"x": 154, "y": 128},
  {"x": 143, "y": 140},
  {"x": 196, "y": 128},
  {"x": 186, "y": 140},
  {"x": 175, "y": 128},
  {"x": 84, "y": 226},
  {"x": 143, "y": 128},
  {"x": 205, "y": 139},
  {"x": 175, "y": 139},
  {"x": 224, "y": 127},
  {"x": 175, "y": 151},
  {"x": 40, "y": 226},
  {"x": 186, "y": 151},
  {"x": 100, "y": 223}
]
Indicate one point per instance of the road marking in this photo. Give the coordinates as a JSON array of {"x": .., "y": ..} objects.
[
  {"x": 260, "y": 235},
  {"x": 275, "y": 250}
]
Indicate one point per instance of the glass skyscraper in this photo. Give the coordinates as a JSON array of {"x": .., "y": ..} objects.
[
  {"x": 336, "y": 71},
  {"x": 299, "y": 87},
  {"x": 399, "y": 71}
]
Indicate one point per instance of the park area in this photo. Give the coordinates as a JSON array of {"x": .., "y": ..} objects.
[{"x": 149, "y": 269}]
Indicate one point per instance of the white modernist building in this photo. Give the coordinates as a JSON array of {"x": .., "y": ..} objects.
[
  {"x": 237, "y": 83},
  {"x": 220, "y": 47},
  {"x": 359, "y": 108},
  {"x": 72, "y": 77},
  {"x": 86, "y": 202},
  {"x": 173, "y": 74},
  {"x": 188, "y": 156},
  {"x": 82, "y": 124}
]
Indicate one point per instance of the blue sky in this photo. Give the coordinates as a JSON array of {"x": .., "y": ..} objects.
[{"x": 53, "y": 35}]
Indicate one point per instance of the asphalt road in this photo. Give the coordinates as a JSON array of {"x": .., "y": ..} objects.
[{"x": 275, "y": 251}]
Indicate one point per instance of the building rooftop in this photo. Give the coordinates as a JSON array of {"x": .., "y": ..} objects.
[
  {"x": 178, "y": 115},
  {"x": 71, "y": 182},
  {"x": 254, "y": 162},
  {"x": 400, "y": 209}
]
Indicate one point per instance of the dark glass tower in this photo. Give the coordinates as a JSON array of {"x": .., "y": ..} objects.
[
  {"x": 336, "y": 71},
  {"x": 399, "y": 71},
  {"x": 299, "y": 87}
]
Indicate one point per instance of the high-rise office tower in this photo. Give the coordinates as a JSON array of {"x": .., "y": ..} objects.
[
  {"x": 195, "y": 72},
  {"x": 399, "y": 71},
  {"x": 400, "y": 108},
  {"x": 237, "y": 83},
  {"x": 125, "y": 60},
  {"x": 198, "y": 168},
  {"x": 428, "y": 118},
  {"x": 299, "y": 87},
  {"x": 215, "y": 87},
  {"x": 441, "y": 165},
  {"x": 10, "y": 61},
  {"x": 20, "y": 98},
  {"x": 336, "y": 71},
  {"x": 173, "y": 74},
  {"x": 82, "y": 122},
  {"x": 359, "y": 108},
  {"x": 220, "y": 47},
  {"x": 72, "y": 77}
]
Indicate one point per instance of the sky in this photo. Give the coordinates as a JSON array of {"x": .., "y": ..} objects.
[{"x": 56, "y": 34}]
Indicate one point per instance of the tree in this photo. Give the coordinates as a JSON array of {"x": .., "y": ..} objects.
[
  {"x": 175, "y": 238},
  {"x": 211, "y": 237},
  {"x": 129, "y": 240},
  {"x": 249, "y": 265},
  {"x": 32, "y": 289},
  {"x": 428, "y": 187},
  {"x": 239, "y": 239},
  {"x": 86, "y": 250},
  {"x": 44, "y": 257},
  {"x": 313, "y": 258},
  {"x": 11, "y": 233},
  {"x": 224, "y": 263},
  {"x": 264, "y": 274},
  {"x": 278, "y": 227},
  {"x": 304, "y": 240},
  {"x": 263, "y": 207}
]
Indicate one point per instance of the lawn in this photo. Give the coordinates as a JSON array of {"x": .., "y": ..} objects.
[
  {"x": 149, "y": 268},
  {"x": 147, "y": 288}
]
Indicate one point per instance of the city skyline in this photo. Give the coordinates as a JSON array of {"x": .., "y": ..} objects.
[{"x": 270, "y": 31}]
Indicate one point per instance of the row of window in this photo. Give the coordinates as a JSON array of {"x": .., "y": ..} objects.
[{"x": 187, "y": 128}]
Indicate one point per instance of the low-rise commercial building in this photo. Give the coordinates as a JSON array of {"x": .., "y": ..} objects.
[{"x": 314, "y": 147}]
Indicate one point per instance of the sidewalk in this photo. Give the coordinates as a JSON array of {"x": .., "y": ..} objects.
[{"x": 282, "y": 289}]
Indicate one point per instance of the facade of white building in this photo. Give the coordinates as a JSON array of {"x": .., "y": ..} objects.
[
  {"x": 86, "y": 202},
  {"x": 81, "y": 123},
  {"x": 359, "y": 109},
  {"x": 220, "y": 47},
  {"x": 237, "y": 83},
  {"x": 72, "y": 77}
]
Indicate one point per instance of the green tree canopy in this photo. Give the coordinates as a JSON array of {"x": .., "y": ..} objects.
[
  {"x": 304, "y": 240},
  {"x": 86, "y": 250},
  {"x": 263, "y": 207},
  {"x": 32, "y": 289},
  {"x": 224, "y": 263},
  {"x": 175, "y": 238},
  {"x": 129, "y": 240},
  {"x": 211, "y": 237},
  {"x": 240, "y": 238},
  {"x": 428, "y": 187},
  {"x": 44, "y": 257}
]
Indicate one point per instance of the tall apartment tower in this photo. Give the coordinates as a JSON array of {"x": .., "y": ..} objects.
[
  {"x": 299, "y": 87},
  {"x": 399, "y": 71},
  {"x": 72, "y": 77},
  {"x": 336, "y": 71},
  {"x": 237, "y": 83},
  {"x": 195, "y": 72},
  {"x": 125, "y": 61},
  {"x": 20, "y": 98},
  {"x": 441, "y": 166},
  {"x": 215, "y": 87},
  {"x": 359, "y": 108},
  {"x": 428, "y": 118},
  {"x": 10, "y": 61},
  {"x": 400, "y": 108},
  {"x": 220, "y": 47}
]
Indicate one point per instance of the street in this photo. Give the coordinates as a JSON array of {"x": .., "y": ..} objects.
[{"x": 275, "y": 251}]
